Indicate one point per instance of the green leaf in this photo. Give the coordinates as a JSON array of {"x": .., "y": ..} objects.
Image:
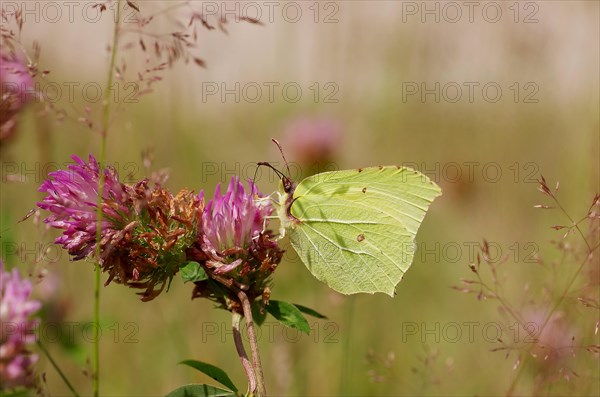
[
  {"x": 193, "y": 272},
  {"x": 288, "y": 315},
  {"x": 196, "y": 390},
  {"x": 309, "y": 311},
  {"x": 257, "y": 316},
  {"x": 214, "y": 372}
]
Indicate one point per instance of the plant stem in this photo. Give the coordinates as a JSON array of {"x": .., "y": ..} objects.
[
  {"x": 262, "y": 391},
  {"x": 346, "y": 360},
  {"x": 555, "y": 307},
  {"x": 560, "y": 300},
  {"x": 247, "y": 309},
  {"x": 57, "y": 368},
  {"x": 574, "y": 224},
  {"x": 239, "y": 345},
  {"x": 113, "y": 56},
  {"x": 103, "y": 138}
]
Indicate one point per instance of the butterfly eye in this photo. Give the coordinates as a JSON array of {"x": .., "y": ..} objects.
[{"x": 288, "y": 185}]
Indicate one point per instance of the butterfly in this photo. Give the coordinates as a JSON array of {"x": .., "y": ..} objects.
[{"x": 355, "y": 229}]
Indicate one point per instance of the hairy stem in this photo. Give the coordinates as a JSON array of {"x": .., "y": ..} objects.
[
  {"x": 111, "y": 75},
  {"x": 247, "y": 310},
  {"x": 262, "y": 391},
  {"x": 57, "y": 368},
  {"x": 239, "y": 345},
  {"x": 346, "y": 367},
  {"x": 103, "y": 137}
]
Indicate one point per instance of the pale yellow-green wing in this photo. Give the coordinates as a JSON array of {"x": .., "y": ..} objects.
[{"x": 357, "y": 227}]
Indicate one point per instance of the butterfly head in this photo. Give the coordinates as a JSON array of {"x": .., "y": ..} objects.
[
  {"x": 286, "y": 193},
  {"x": 288, "y": 185}
]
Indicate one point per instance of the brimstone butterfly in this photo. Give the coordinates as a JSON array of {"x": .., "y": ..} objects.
[{"x": 355, "y": 229}]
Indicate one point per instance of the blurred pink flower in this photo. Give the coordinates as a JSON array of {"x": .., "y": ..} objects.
[
  {"x": 312, "y": 140},
  {"x": 553, "y": 343},
  {"x": 16, "y": 89},
  {"x": 16, "y": 329}
]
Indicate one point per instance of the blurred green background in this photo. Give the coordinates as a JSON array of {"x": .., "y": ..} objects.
[{"x": 370, "y": 53}]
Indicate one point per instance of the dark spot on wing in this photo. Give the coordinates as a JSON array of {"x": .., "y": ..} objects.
[
  {"x": 360, "y": 170},
  {"x": 364, "y": 189},
  {"x": 360, "y": 237},
  {"x": 380, "y": 167}
]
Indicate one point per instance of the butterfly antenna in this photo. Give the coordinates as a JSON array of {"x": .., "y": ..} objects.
[
  {"x": 275, "y": 141},
  {"x": 255, "y": 173},
  {"x": 266, "y": 164}
]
